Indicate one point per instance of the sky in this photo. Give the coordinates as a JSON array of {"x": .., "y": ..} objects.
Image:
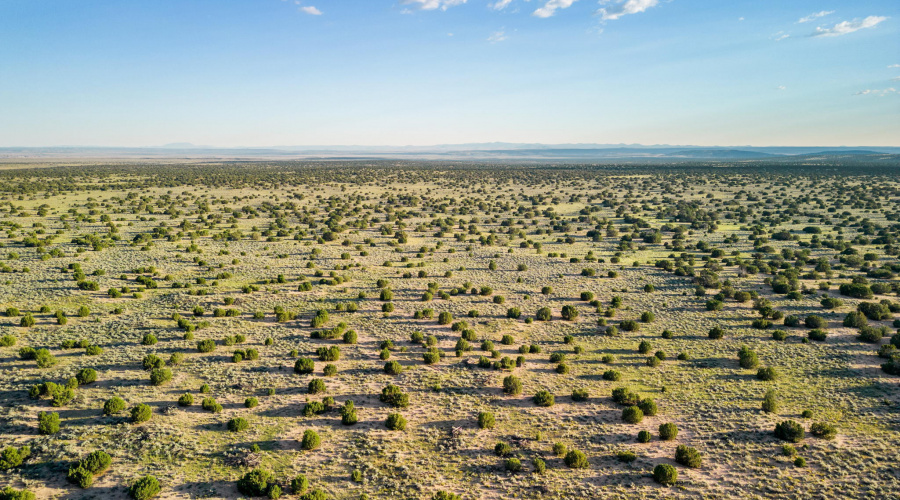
[{"x": 253, "y": 73}]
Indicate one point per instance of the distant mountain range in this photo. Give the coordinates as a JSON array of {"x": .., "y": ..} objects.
[{"x": 494, "y": 151}]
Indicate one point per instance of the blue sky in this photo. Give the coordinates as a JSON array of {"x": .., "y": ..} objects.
[{"x": 420, "y": 72}]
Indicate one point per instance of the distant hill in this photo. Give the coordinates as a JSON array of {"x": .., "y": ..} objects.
[{"x": 730, "y": 154}]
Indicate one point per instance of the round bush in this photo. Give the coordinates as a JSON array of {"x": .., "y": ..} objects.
[
  {"x": 715, "y": 333},
  {"x": 665, "y": 474},
  {"x": 668, "y": 432},
  {"x": 688, "y": 456},
  {"x": 141, "y": 413},
  {"x": 512, "y": 385},
  {"x": 186, "y": 399},
  {"x": 393, "y": 368},
  {"x": 485, "y": 420},
  {"x": 823, "y": 430},
  {"x": 311, "y": 440},
  {"x": 543, "y": 398},
  {"x": 86, "y": 376},
  {"x": 789, "y": 430},
  {"x": 299, "y": 485},
  {"x": 632, "y": 415},
  {"x": 648, "y": 406},
  {"x": 513, "y": 465},
  {"x": 316, "y": 386},
  {"x": 144, "y": 488},
  {"x": 580, "y": 395},
  {"x": 304, "y": 366},
  {"x": 395, "y": 422},
  {"x": 48, "y": 422},
  {"x": 238, "y": 424},
  {"x": 644, "y": 437},
  {"x": 502, "y": 449},
  {"x": 767, "y": 374},
  {"x": 113, "y": 406},
  {"x": 255, "y": 483},
  {"x": 576, "y": 460}
]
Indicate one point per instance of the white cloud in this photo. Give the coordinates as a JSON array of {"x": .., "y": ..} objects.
[
  {"x": 624, "y": 8},
  {"x": 781, "y": 87},
  {"x": 817, "y": 15},
  {"x": 497, "y": 36},
  {"x": 552, "y": 6},
  {"x": 894, "y": 66},
  {"x": 895, "y": 79},
  {"x": 846, "y": 27},
  {"x": 875, "y": 92},
  {"x": 433, "y": 4},
  {"x": 781, "y": 35},
  {"x": 500, "y": 4},
  {"x": 311, "y": 10},
  {"x": 740, "y": 19}
]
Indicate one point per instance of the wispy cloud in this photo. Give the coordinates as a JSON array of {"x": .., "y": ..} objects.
[
  {"x": 781, "y": 87},
  {"x": 817, "y": 15},
  {"x": 624, "y": 8},
  {"x": 894, "y": 66},
  {"x": 497, "y": 36},
  {"x": 781, "y": 35},
  {"x": 311, "y": 10},
  {"x": 500, "y": 4},
  {"x": 875, "y": 92},
  {"x": 551, "y": 7},
  {"x": 433, "y": 4},
  {"x": 846, "y": 27}
]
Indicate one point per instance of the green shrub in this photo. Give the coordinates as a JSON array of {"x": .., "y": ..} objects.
[
  {"x": 823, "y": 430},
  {"x": 299, "y": 485},
  {"x": 9, "y": 493},
  {"x": 11, "y": 458},
  {"x": 576, "y": 460},
  {"x": 114, "y": 406},
  {"x": 644, "y": 437},
  {"x": 716, "y": 333},
  {"x": 48, "y": 422},
  {"x": 665, "y": 474},
  {"x": 393, "y": 368},
  {"x": 395, "y": 422},
  {"x": 394, "y": 396},
  {"x": 238, "y": 424},
  {"x": 632, "y": 415},
  {"x": 747, "y": 358},
  {"x": 648, "y": 406},
  {"x": 502, "y": 449},
  {"x": 316, "y": 386},
  {"x": 688, "y": 456},
  {"x": 207, "y": 345},
  {"x": 80, "y": 476},
  {"x": 624, "y": 396},
  {"x": 767, "y": 374},
  {"x": 543, "y": 398},
  {"x": 348, "y": 414},
  {"x": 779, "y": 335},
  {"x": 770, "y": 402},
  {"x": 311, "y": 440},
  {"x": 789, "y": 430},
  {"x": 96, "y": 462},
  {"x": 186, "y": 399},
  {"x": 304, "y": 366},
  {"x": 817, "y": 335},
  {"x": 569, "y": 313},
  {"x": 540, "y": 466},
  {"x": 255, "y": 483},
  {"x": 512, "y": 385},
  {"x": 443, "y": 495},
  {"x": 485, "y": 420},
  {"x": 668, "y": 431},
  {"x": 513, "y": 465},
  {"x": 141, "y": 413},
  {"x": 580, "y": 395},
  {"x": 160, "y": 376}
]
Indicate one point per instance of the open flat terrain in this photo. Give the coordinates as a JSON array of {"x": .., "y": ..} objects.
[{"x": 480, "y": 292}]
